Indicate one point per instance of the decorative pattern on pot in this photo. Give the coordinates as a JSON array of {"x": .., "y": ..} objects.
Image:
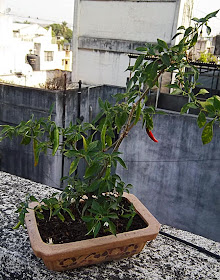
[{"x": 96, "y": 257}]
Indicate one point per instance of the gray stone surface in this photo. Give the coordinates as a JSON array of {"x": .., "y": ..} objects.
[{"x": 163, "y": 258}]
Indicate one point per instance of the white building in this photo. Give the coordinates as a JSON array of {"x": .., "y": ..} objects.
[
  {"x": 32, "y": 38},
  {"x": 6, "y": 38},
  {"x": 106, "y": 31},
  {"x": 204, "y": 44},
  {"x": 17, "y": 40}
]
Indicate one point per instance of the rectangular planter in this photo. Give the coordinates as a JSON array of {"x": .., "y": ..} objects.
[{"x": 67, "y": 256}]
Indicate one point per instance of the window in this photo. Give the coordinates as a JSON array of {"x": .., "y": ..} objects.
[{"x": 48, "y": 56}]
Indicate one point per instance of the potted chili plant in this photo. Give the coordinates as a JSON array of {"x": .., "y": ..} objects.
[{"x": 100, "y": 200}]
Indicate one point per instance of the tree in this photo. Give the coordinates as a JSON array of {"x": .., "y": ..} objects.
[{"x": 61, "y": 30}]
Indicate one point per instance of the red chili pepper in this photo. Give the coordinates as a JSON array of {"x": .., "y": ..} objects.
[{"x": 150, "y": 134}]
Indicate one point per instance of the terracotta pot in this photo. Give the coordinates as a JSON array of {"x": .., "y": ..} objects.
[{"x": 67, "y": 256}]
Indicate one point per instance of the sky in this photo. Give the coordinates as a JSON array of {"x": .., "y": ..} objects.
[
  {"x": 50, "y": 11},
  {"x": 62, "y": 10},
  {"x": 204, "y": 7}
]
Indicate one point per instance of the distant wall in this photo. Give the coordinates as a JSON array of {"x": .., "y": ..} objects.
[
  {"x": 177, "y": 178},
  {"x": 17, "y": 104}
]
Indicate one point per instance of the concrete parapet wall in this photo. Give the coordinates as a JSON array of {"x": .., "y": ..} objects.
[
  {"x": 177, "y": 178},
  {"x": 17, "y": 104}
]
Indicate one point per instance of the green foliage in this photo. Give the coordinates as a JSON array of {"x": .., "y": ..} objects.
[
  {"x": 208, "y": 57},
  {"x": 97, "y": 143},
  {"x": 61, "y": 30}
]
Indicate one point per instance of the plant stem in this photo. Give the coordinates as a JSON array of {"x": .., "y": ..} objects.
[{"x": 129, "y": 126}]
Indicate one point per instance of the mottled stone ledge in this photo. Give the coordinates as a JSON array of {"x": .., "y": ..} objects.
[{"x": 163, "y": 258}]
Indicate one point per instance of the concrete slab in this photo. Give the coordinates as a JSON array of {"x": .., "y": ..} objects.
[{"x": 163, "y": 258}]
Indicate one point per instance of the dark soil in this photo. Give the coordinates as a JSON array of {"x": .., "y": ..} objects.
[{"x": 71, "y": 231}]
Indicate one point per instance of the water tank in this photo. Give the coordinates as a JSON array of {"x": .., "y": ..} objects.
[{"x": 34, "y": 61}]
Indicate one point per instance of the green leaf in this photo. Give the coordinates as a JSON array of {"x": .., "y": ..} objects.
[
  {"x": 103, "y": 136},
  {"x": 120, "y": 120},
  {"x": 92, "y": 146},
  {"x": 149, "y": 121},
  {"x": 84, "y": 143},
  {"x": 211, "y": 15},
  {"x": 33, "y": 198},
  {"x": 120, "y": 96},
  {"x": 194, "y": 39},
  {"x": 17, "y": 225},
  {"x": 113, "y": 215},
  {"x": 96, "y": 206},
  {"x": 165, "y": 59},
  {"x": 87, "y": 219},
  {"x": 209, "y": 108},
  {"x": 73, "y": 166},
  {"x": 51, "y": 108},
  {"x": 123, "y": 118},
  {"x": 141, "y": 49},
  {"x": 162, "y": 44},
  {"x": 188, "y": 30},
  {"x": 195, "y": 19},
  {"x": 61, "y": 217},
  {"x": 130, "y": 68},
  {"x": 150, "y": 73},
  {"x": 55, "y": 140},
  {"x": 188, "y": 106},
  {"x": 98, "y": 117},
  {"x": 36, "y": 152},
  {"x": 138, "y": 61},
  {"x": 129, "y": 223},
  {"x": 161, "y": 112},
  {"x": 101, "y": 103},
  {"x": 92, "y": 169},
  {"x": 192, "y": 106},
  {"x": 112, "y": 227},
  {"x": 203, "y": 91},
  {"x": 55, "y": 212},
  {"x": 40, "y": 215},
  {"x": 70, "y": 213},
  {"x": 181, "y": 27},
  {"x": 93, "y": 187},
  {"x": 120, "y": 160},
  {"x": 177, "y": 91},
  {"x": 26, "y": 139},
  {"x": 97, "y": 228},
  {"x": 216, "y": 102},
  {"x": 150, "y": 110},
  {"x": 129, "y": 84},
  {"x": 108, "y": 140},
  {"x": 172, "y": 86},
  {"x": 71, "y": 153},
  {"x": 201, "y": 120},
  {"x": 207, "y": 133},
  {"x": 138, "y": 113},
  {"x": 177, "y": 34}
]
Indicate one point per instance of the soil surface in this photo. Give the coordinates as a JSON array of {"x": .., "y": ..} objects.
[{"x": 70, "y": 231}]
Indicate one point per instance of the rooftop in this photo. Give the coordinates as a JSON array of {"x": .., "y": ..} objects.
[{"x": 175, "y": 254}]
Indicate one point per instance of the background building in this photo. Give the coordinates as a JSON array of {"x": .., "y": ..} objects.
[
  {"x": 28, "y": 50},
  {"x": 105, "y": 32}
]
